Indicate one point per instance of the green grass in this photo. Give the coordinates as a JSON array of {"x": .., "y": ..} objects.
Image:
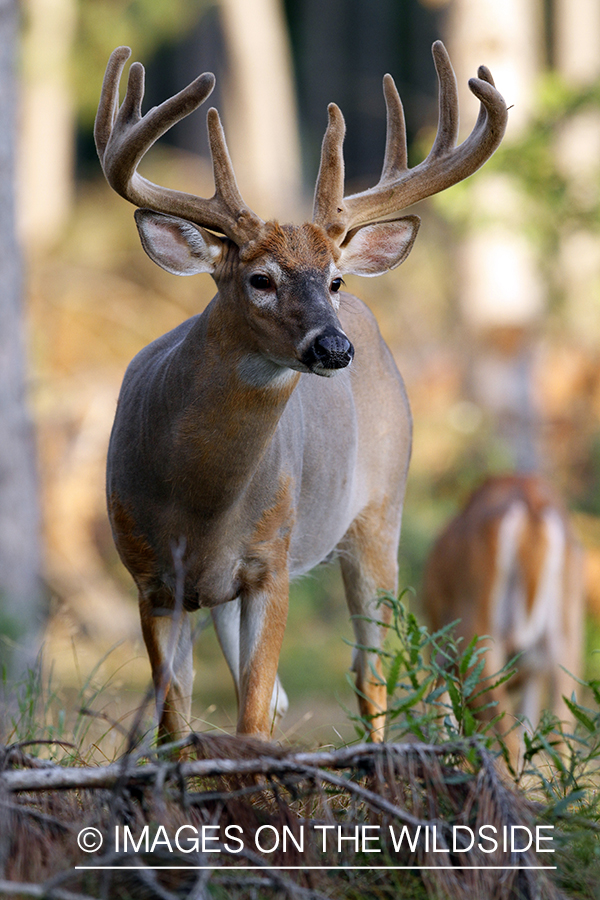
[{"x": 66, "y": 725}]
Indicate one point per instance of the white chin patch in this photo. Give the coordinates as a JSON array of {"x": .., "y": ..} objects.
[
  {"x": 259, "y": 371},
  {"x": 325, "y": 373}
]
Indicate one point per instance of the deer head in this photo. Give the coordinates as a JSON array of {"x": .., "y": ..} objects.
[{"x": 284, "y": 279}]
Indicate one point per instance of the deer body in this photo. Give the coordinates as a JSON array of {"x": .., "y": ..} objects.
[
  {"x": 206, "y": 485},
  {"x": 231, "y": 467},
  {"x": 266, "y": 500},
  {"x": 509, "y": 566}
]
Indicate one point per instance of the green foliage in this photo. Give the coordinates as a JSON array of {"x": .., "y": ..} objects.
[
  {"x": 572, "y": 778},
  {"x": 435, "y": 688},
  {"x": 562, "y": 770}
]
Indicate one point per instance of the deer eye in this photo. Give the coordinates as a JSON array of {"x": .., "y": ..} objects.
[
  {"x": 336, "y": 284},
  {"x": 261, "y": 282}
]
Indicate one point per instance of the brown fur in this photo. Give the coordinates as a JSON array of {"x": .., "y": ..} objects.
[
  {"x": 134, "y": 550},
  {"x": 461, "y": 572},
  {"x": 239, "y": 406},
  {"x": 257, "y": 677},
  {"x": 269, "y": 543},
  {"x": 294, "y": 248},
  {"x": 369, "y": 566},
  {"x": 266, "y": 571},
  {"x": 167, "y": 636}
]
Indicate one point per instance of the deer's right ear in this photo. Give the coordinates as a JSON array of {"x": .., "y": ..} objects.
[{"x": 176, "y": 245}]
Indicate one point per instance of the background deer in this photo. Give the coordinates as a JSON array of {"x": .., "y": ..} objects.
[
  {"x": 509, "y": 566},
  {"x": 224, "y": 443}
]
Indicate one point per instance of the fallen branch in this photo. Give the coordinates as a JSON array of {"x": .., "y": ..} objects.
[
  {"x": 25, "y": 889},
  {"x": 359, "y": 756}
]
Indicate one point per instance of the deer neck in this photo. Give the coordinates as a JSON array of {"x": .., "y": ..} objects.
[{"x": 237, "y": 401}]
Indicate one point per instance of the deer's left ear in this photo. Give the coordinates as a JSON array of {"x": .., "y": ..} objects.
[{"x": 373, "y": 249}]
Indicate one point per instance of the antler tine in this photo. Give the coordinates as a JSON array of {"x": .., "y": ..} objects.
[
  {"x": 447, "y": 133},
  {"x": 123, "y": 136},
  {"x": 329, "y": 209},
  {"x": 445, "y": 165},
  {"x": 483, "y": 74},
  {"x": 227, "y": 192},
  {"x": 108, "y": 105},
  {"x": 396, "y": 152}
]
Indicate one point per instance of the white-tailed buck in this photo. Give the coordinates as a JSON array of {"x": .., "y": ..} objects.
[
  {"x": 509, "y": 566},
  {"x": 225, "y": 443}
]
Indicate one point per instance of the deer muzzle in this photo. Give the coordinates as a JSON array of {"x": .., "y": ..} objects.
[{"x": 330, "y": 350}]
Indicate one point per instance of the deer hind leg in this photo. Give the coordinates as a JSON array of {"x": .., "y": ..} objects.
[
  {"x": 168, "y": 640},
  {"x": 535, "y": 688},
  {"x": 226, "y": 619},
  {"x": 498, "y": 700},
  {"x": 571, "y": 632},
  {"x": 369, "y": 564}
]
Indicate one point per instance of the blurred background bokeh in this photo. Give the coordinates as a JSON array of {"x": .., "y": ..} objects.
[{"x": 494, "y": 320}]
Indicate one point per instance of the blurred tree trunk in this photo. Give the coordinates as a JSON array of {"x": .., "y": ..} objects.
[
  {"x": 46, "y": 146},
  {"x": 260, "y": 106},
  {"x": 577, "y": 40},
  {"x": 501, "y": 294},
  {"x": 20, "y": 556},
  {"x": 577, "y": 58}
]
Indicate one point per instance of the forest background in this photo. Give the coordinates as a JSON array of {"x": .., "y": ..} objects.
[{"x": 494, "y": 320}]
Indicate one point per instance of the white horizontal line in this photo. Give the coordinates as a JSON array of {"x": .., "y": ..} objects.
[{"x": 302, "y": 868}]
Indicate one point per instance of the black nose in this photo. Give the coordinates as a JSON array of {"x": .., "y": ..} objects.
[{"x": 330, "y": 350}]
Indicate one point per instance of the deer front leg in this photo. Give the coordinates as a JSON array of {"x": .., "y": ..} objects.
[
  {"x": 369, "y": 564},
  {"x": 226, "y": 620},
  {"x": 168, "y": 640},
  {"x": 262, "y": 619}
]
